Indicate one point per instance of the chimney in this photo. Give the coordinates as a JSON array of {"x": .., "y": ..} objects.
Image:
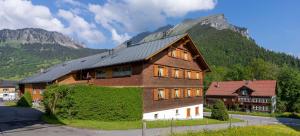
[
  {"x": 42, "y": 70},
  {"x": 128, "y": 43},
  {"x": 111, "y": 52},
  {"x": 217, "y": 85},
  {"x": 164, "y": 34},
  {"x": 247, "y": 82}
]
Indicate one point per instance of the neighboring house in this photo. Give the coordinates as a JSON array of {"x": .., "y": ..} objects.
[
  {"x": 256, "y": 95},
  {"x": 8, "y": 90},
  {"x": 170, "y": 71}
]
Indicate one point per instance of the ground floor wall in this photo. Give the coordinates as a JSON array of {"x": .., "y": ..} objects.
[{"x": 180, "y": 113}]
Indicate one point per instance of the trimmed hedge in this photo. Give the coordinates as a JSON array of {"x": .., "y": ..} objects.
[
  {"x": 25, "y": 100},
  {"x": 219, "y": 111},
  {"x": 88, "y": 102}
]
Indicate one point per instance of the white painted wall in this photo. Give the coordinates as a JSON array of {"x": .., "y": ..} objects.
[
  {"x": 171, "y": 113},
  {"x": 8, "y": 96}
]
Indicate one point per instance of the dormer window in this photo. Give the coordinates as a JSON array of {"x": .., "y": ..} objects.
[
  {"x": 174, "y": 53},
  {"x": 244, "y": 92}
]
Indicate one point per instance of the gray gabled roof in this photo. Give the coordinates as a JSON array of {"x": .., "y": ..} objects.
[
  {"x": 133, "y": 53},
  {"x": 7, "y": 83}
]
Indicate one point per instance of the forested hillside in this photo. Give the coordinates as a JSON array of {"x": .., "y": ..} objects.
[
  {"x": 234, "y": 57},
  {"x": 22, "y": 60}
]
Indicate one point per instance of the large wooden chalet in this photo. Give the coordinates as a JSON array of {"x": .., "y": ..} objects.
[
  {"x": 170, "y": 70},
  {"x": 256, "y": 95}
]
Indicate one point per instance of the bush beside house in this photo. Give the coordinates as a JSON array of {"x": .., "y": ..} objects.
[
  {"x": 88, "y": 102},
  {"x": 25, "y": 100},
  {"x": 219, "y": 111}
]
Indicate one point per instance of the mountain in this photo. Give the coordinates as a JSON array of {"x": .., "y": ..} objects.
[
  {"x": 37, "y": 35},
  {"x": 24, "y": 52},
  {"x": 221, "y": 43}
]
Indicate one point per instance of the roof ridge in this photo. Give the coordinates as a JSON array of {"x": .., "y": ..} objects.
[{"x": 156, "y": 39}]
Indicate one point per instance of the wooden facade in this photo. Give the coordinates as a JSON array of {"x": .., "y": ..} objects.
[
  {"x": 250, "y": 96},
  {"x": 175, "y": 70}
]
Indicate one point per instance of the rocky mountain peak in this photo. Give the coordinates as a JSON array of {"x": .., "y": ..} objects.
[
  {"x": 217, "y": 21},
  {"x": 37, "y": 35}
]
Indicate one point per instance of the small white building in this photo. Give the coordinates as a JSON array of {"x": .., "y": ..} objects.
[{"x": 8, "y": 90}]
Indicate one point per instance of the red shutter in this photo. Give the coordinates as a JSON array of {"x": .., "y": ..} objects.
[
  {"x": 155, "y": 94},
  {"x": 167, "y": 94},
  {"x": 155, "y": 70}
]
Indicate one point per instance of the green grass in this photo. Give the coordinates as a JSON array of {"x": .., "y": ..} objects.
[
  {"x": 124, "y": 125},
  {"x": 10, "y": 103},
  {"x": 263, "y": 114},
  {"x": 269, "y": 130}
]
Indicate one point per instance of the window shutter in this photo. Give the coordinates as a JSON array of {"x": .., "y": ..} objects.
[
  {"x": 173, "y": 72},
  {"x": 178, "y": 54},
  {"x": 155, "y": 70},
  {"x": 167, "y": 94},
  {"x": 201, "y": 91},
  {"x": 170, "y": 52},
  {"x": 172, "y": 93},
  {"x": 192, "y": 92},
  {"x": 155, "y": 94},
  {"x": 185, "y": 92},
  {"x": 166, "y": 72},
  {"x": 181, "y": 93}
]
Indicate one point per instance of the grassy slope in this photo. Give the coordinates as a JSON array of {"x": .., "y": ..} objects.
[
  {"x": 19, "y": 61},
  {"x": 124, "y": 125},
  {"x": 271, "y": 130}
]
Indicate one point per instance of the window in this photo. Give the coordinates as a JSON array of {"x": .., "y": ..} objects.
[
  {"x": 185, "y": 56},
  {"x": 41, "y": 91},
  {"x": 197, "y": 75},
  {"x": 224, "y": 99},
  {"x": 100, "y": 74},
  {"x": 244, "y": 92},
  {"x": 198, "y": 92},
  {"x": 176, "y": 93},
  {"x": 174, "y": 53},
  {"x": 196, "y": 111},
  {"x": 34, "y": 91},
  {"x": 160, "y": 71},
  {"x": 177, "y": 112},
  {"x": 156, "y": 116},
  {"x": 5, "y": 90},
  {"x": 161, "y": 94},
  {"x": 188, "y": 75},
  {"x": 176, "y": 74},
  {"x": 121, "y": 71},
  {"x": 188, "y": 92}
]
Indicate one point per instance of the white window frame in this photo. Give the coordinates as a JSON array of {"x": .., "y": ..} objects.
[
  {"x": 176, "y": 74},
  {"x": 161, "y": 94},
  {"x": 160, "y": 71},
  {"x": 176, "y": 93}
]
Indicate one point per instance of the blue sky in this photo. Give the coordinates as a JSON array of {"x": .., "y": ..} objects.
[{"x": 274, "y": 24}]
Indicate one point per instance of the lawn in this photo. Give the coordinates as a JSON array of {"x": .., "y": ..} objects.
[
  {"x": 124, "y": 125},
  {"x": 10, "y": 103},
  {"x": 284, "y": 115},
  {"x": 269, "y": 130}
]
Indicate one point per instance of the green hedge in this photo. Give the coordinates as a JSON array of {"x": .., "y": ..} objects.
[
  {"x": 25, "y": 100},
  {"x": 219, "y": 111},
  {"x": 90, "y": 102}
]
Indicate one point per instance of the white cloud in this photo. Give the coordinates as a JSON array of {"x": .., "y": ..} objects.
[
  {"x": 79, "y": 27},
  {"x": 119, "y": 38},
  {"x": 140, "y": 15},
  {"x": 16, "y": 14}
]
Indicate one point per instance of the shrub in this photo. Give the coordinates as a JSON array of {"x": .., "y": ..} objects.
[
  {"x": 25, "y": 100},
  {"x": 219, "y": 111},
  {"x": 281, "y": 106},
  {"x": 88, "y": 102}
]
